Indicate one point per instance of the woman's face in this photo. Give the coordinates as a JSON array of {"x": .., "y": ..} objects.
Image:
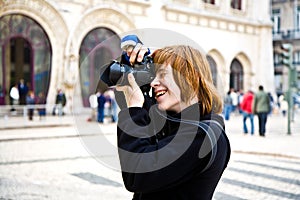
[{"x": 167, "y": 93}]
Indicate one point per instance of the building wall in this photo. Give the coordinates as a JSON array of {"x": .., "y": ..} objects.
[
  {"x": 288, "y": 32},
  {"x": 224, "y": 33}
]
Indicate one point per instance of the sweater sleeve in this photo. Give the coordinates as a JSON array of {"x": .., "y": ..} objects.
[{"x": 151, "y": 165}]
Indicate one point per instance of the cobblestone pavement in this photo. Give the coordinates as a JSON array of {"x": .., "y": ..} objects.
[
  {"x": 260, "y": 177},
  {"x": 54, "y": 162}
]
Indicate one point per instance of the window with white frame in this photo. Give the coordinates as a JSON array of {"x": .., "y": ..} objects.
[
  {"x": 276, "y": 20},
  {"x": 236, "y": 4},
  {"x": 277, "y": 59},
  {"x": 209, "y": 1},
  {"x": 298, "y": 19},
  {"x": 296, "y": 57}
]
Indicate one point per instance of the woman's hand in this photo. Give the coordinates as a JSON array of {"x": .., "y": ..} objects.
[
  {"x": 132, "y": 92},
  {"x": 137, "y": 53}
]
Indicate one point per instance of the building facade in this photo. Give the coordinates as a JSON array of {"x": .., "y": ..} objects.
[
  {"x": 54, "y": 44},
  {"x": 286, "y": 29}
]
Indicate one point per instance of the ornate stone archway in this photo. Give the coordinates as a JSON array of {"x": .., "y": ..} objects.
[
  {"x": 241, "y": 60},
  {"x": 221, "y": 70},
  {"x": 99, "y": 17},
  {"x": 247, "y": 69},
  {"x": 49, "y": 19}
]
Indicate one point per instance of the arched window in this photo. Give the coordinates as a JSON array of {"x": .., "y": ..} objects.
[
  {"x": 98, "y": 48},
  {"x": 236, "y": 75},
  {"x": 213, "y": 68},
  {"x": 25, "y": 53}
]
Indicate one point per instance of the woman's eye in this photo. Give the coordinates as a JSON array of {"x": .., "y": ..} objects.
[{"x": 162, "y": 75}]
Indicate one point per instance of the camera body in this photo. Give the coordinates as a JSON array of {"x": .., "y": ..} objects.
[{"x": 116, "y": 73}]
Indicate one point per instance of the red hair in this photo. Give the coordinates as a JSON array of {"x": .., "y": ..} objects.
[{"x": 192, "y": 74}]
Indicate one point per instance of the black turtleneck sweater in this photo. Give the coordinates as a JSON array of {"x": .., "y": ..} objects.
[{"x": 163, "y": 155}]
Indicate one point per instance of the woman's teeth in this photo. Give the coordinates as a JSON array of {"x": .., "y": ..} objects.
[{"x": 160, "y": 93}]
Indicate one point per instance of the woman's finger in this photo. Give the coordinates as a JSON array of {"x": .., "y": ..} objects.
[
  {"x": 141, "y": 54},
  {"x": 132, "y": 82},
  {"x": 121, "y": 88},
  {"x": 135, "y": 96},
  {"x": 134, "y": 53}
]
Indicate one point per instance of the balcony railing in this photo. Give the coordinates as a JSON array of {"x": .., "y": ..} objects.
[
  {"x": 286, "y": 35},
  {"x": 279, "y": 1}
]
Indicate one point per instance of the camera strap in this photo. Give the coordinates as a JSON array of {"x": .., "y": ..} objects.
[{"x": 211, "y": 134}]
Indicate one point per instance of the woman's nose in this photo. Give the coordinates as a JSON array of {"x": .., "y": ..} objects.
[{"x": 154, "y": 83}]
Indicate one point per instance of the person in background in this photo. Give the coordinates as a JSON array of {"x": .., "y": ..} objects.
[
  {"x": 2, "y": 95},
  {"x": 30, "y": 101},
  {"x": 113, "y": 105},
  {"x": 246, "y": 107},
  {"x": 23, "y": 90},
  {"x": 240, "y": 99},
  {"x": 227, "y": 105},
  {"x": 101, "y": 99},
  {"x": 272, "y": 103},
  {"x": 60, "y": 103},
  {"x": 14, "y": 97},
  {"x": 261, "y": 107},
  {"x": 234, "y": 97},
  {"x": 93, "y": 100},
  {"x": 41, "y": 102},
  {"x": 283, "y": 105},
  {"x": 182, "y": 87}
]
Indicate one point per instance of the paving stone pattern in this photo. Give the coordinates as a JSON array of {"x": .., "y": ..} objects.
[{"x": 52, "y": 162}]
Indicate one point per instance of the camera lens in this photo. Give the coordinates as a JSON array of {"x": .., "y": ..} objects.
[
  {"x": 116, "y": 73},
  {"x": 111, "y": 73}
]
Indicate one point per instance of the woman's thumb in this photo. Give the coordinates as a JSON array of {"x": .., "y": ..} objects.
[{"x": 131, "y": 81}]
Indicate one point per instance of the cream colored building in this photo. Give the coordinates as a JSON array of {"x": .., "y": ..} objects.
[
  {"x": 286, "y": 30},
  {"x": 52, "y": 43}
]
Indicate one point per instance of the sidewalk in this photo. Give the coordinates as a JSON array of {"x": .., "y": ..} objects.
[
  {"x": 21, "y": 122},
  {"x": 276, "y": 143}
]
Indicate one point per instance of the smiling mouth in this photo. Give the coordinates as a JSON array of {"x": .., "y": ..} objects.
[{"x": 160, "y": 93}]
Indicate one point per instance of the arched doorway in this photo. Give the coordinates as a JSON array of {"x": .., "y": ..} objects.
[
  {"x": 25, "y": 53},
  {"x": 99, "y": 47},
  {"x": 213, "y": 69},
  {"x": 20, "y": 60},
  {"x": 236, "y": 75}
]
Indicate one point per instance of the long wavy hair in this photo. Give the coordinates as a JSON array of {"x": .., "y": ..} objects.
[{"x": 192, "y": 74}]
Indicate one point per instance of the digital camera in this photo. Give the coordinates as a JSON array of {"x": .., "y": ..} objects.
[{"x": 116, "y": 73}]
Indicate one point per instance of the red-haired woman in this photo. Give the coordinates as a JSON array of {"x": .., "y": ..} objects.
[{"x": 178, "y": 148}]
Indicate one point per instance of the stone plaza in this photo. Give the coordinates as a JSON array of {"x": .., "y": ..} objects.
[{"x": 50, "y": 159}]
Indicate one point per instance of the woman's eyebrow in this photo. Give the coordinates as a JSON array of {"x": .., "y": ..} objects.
[{"x": 161, "y": 69}]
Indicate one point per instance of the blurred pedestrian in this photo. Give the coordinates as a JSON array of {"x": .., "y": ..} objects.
[
  {"x": 240, "y": 99},
  {"x": 246, "y": 107},
  {"x": 60, "y": 103},
  {"x": 14, "y": 97},
  {"x": 261, "y": 107},
  {"x": 23, "y": 90},
  {"x": 234, "y": 97},
  {"x": 113, "y": 105},
  {"x": 2, "y": 95},
  {"x": 283, "y": 105},
  {"x": 93, "y": 105},
  {"x": 272, "y": 104},
  {"x": 41, "y": 102},
  {"x": 227, "y": 105},
  {"x": 30, "y": 101},
  {"x": 101, "y": 102}
]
